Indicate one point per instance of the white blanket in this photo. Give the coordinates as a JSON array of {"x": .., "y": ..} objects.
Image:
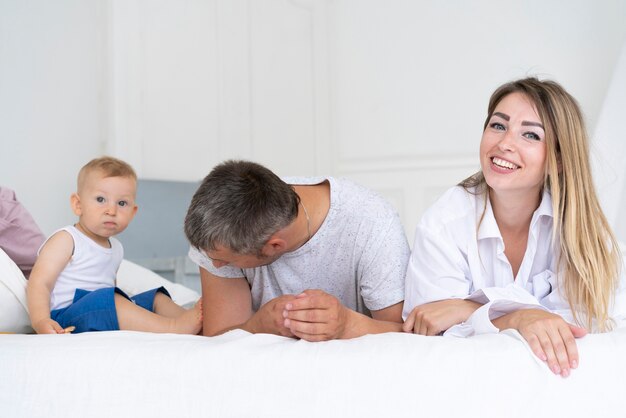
[{"x": 133, "y": 374}]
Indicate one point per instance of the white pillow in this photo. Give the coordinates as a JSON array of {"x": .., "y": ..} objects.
[
  {"x": 133, "y": 278},
  {"x": 13, "y": 305}
]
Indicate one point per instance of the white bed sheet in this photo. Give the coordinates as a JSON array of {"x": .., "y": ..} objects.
[{"x": 124, "y": 374}]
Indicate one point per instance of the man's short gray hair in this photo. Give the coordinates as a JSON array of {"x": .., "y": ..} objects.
[{"x": 239, "y": 205}]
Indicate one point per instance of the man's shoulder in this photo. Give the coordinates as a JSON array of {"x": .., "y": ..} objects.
[
  {"x": 360, "y": 201},
  {"x": 204, "y": 262},
  {"x": 350, "y": 196}
]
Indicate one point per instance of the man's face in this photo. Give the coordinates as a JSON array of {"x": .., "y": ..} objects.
[{"x": 222, "y": 256}]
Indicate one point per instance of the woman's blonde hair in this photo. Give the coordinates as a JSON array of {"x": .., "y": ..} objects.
[{"x": 589, "y": 258}]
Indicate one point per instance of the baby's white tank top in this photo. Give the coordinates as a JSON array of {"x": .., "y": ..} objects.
[{"x": 91, "y": 267}]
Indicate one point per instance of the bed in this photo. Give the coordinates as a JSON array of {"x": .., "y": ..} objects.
[{"x": 118, "y": 374}]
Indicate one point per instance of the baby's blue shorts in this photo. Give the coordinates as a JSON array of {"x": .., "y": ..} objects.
[{"x": 95, "y": 310}]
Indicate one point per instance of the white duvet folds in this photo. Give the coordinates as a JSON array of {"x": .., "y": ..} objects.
[{"x": 124, "y": 374}]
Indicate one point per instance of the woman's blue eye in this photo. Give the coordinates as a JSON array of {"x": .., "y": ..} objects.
[
  {"x": 100, "y": 199},
  {"x": 532, "y": 135},
  {"x": 497, "y": 126}
]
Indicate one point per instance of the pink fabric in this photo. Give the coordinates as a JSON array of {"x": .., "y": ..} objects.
[{"x": 20, "y": 237}]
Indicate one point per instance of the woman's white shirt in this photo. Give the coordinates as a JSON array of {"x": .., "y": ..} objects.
[{"x": 455, "y": 257}]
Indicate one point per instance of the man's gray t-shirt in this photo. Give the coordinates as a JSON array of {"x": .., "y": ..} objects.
[{"x": 359, "y": 254}]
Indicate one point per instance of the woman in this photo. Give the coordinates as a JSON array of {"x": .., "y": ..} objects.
[{"x": 523, "y": 243}]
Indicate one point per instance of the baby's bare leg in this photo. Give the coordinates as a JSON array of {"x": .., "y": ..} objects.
[
  {"x": 135, "y": 318},
  {"x": 165, "y": 306}
]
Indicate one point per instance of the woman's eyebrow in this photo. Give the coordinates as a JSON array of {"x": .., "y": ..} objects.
[
  {"x": 528, "y": 123},
  {"x": 502, "y": 115},
  {"x": 524, "y": 123}
]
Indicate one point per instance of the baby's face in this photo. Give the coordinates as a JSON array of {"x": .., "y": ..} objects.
[{"x": 106, "y": 205}]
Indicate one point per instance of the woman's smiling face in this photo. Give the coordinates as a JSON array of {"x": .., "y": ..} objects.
[{"x": 513, "y": 147}]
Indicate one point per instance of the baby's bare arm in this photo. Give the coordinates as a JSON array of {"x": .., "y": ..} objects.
[{"x": 52, "y": 259}]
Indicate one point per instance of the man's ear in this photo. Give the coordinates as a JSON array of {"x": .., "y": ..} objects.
[
  {"x": 75, "y": 204},
  {"x": 274, "y": 246}
]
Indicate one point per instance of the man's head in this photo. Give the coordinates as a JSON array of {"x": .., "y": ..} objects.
[
  {"x": 238, "y": 207},
  {"x": 105, "y": 197}
]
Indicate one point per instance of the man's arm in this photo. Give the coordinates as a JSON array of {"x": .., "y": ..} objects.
[
  {"x": 227, "y": 304},
  {"x": 314, "y": 315},
  {"x": 388, "y": 319}
]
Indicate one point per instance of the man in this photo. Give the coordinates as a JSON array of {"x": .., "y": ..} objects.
[{"x": 309, "y": 258}]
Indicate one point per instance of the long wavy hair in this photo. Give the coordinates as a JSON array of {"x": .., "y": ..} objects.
[{"x": 589, "y": 258}]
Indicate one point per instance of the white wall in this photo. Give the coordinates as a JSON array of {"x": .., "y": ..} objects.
[
  {"x": 411, "y": 81},
  {"x": 389, "y": 92},
  {"x": 609, "y": 150},
  {"x": 53, "y": 113}
]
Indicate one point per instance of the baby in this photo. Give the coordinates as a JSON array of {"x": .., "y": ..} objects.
[{"x": 72, "y": 284}]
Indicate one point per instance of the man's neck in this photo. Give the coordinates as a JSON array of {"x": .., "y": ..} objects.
[{"x": 312, "y": 211}]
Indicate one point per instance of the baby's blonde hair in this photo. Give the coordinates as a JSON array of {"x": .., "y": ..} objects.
[{"x": 108, "y": 166}]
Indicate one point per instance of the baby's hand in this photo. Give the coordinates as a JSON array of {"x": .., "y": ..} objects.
[{"x": 48, "y": 326}]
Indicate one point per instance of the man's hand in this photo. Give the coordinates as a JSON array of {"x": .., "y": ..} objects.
[
  {"x": 548, "y": 335},
  {"x": 269, "y": 318},
  {"x": 436, "y": 317},
  {"x": 314, "y": 315}
]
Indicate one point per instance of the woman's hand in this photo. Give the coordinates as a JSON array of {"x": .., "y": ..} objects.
[
  {"x": 549, "y": 336},
  {"x": 436, "y": 317}
]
